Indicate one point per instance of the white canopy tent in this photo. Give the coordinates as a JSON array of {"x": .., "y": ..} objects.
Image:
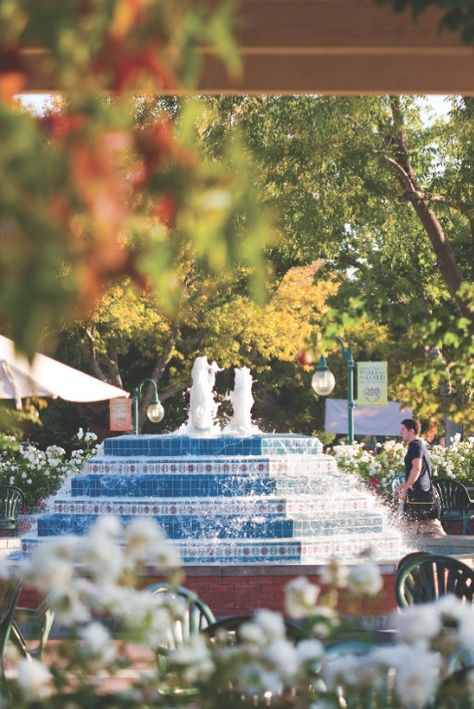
[
  {"x": 48, "y": 377},
  {"x": 368, "y": 420}
]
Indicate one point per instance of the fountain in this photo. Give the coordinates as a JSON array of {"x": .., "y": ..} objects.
[{"x": 232, "y": 496}]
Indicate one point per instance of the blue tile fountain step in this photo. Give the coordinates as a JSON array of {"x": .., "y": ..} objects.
[
  {"x": 226, "y": 526},
  {"x": 176, "y": 445},
  {"x": 302, "y": 506},
  {"x": 151, "y": 486},
  {"x": 251, "y": 551}
]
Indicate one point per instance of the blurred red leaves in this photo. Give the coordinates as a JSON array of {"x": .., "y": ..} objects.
[{"x": 127, "y": 67}]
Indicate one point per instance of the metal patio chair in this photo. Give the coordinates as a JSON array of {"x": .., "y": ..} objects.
[
  {"x": 426, "y": 577},
  {"x": 11, "y": 501},
  {"x": 456, "y": 504}
]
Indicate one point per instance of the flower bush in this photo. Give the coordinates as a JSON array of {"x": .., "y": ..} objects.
[
  {"x": 378, "y": 469},
  {"x": 457, "y": 461},
  {"x": 91, "y": 585},
  {"x": 39, "y": 473}
]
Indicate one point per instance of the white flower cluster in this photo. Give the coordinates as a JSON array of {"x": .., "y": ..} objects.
[
  {"x": 40, "y": 473},
  {"x": 88, "y": 581},
  {"x": 386, "y": 462}
]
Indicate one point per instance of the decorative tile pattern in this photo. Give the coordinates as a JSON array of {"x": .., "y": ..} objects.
[
  {"x": 321, "y": 465},
  {"x": 277, "y": 551},
  {"x": 306, "y": 506},
  {"x": 252, "y": 500}
]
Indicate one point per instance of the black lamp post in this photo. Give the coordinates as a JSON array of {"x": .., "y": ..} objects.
[
  {"x": 155, "y": 412},
  {"x": 323, "y": 383}
]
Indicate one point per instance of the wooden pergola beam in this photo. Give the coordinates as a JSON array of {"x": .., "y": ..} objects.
[{"x": 330, "y": 46}]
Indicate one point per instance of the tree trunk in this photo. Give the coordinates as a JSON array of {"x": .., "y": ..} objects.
[
  {"x": 445, "y": 257},
  {"x": 156, "y": 374}
]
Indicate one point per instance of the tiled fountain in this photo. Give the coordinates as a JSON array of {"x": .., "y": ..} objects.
[{"x": 236, "y": 496}]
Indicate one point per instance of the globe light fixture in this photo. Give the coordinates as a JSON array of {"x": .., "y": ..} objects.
[
  {"x": 155, "y": 412},
  {"x": 323, "y": 381}
]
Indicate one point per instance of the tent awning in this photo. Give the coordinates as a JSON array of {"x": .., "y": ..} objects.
[{"x": 48, "y": 377}]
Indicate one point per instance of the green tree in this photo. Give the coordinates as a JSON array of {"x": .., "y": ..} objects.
[{"x": 387, "y": 202}]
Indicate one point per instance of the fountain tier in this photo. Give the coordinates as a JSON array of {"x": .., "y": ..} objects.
[{"x": 227, "y": 499}]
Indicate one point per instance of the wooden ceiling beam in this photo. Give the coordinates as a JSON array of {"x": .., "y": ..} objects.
[{"x": 328, "y": 46}]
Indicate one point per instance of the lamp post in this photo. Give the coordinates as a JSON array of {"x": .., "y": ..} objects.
[
  {"x": 155, "y": 412},
  {"x": 323, "y": 383}
]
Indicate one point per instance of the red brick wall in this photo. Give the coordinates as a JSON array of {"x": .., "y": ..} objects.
[
  {"x": 230, "y": 594},
  {"x": 234, "y": 591}
]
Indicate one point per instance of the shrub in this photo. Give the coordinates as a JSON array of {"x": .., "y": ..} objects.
[{"x": 40, "y": 473}]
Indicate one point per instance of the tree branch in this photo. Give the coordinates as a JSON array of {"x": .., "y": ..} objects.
[
  {"x": 448, "y": 267},
  {"x": 156, "y": 374},
  {"x": 92, "y": 357}
]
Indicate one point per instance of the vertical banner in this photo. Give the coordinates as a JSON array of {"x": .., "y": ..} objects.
[
  {"x": 371, "y": 384},
  {"x": 120, "y": 411}
]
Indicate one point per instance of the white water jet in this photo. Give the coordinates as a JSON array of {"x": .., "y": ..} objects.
[{"x": 242, "y": 402}]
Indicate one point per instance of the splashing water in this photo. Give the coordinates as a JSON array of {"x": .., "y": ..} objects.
[{"x": 237, "y": 496}]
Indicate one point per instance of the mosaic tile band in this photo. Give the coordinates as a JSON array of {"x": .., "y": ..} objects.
[{"x": 261, "y": 499}]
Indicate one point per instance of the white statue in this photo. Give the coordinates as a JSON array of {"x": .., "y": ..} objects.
[
  {"x": 202, "y": 407},
  {"x": 242, "y": 402}
]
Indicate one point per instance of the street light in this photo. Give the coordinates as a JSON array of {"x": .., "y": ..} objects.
[
  {"x": 155, "y": 412},
  {"x": 323, "y": 383}
]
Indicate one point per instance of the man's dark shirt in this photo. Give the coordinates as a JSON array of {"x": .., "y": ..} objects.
[{"x": 417, "y": 449}]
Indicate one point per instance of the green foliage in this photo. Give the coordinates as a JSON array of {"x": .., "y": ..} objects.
[
  {"x": 459, "y": 14},
  {"x": 90, "y": 196},
  {"x": 326, "y": 165},
  {"x": 40, "y": 473}
]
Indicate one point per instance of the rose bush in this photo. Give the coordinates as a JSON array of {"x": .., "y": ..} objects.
[
  {"x": 40, "y": 473},
  {"x": 91, "y": 584}
]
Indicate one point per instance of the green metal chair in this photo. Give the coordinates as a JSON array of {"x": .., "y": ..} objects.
[
  {"x": 456, "y": 505},
  {"x": 11, "y": 500},
  {"x": 9, "y": 593},
  {"x": 197, "y": 617},
  {"x": 427, "y": 577},
  {"x": 32, "y": 624}
]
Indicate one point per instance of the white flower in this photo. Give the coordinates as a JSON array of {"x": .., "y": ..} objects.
[
  {"x": 29, "y": 481},
  {"x": 80, "y": 434},
  {"x": 107, "y": 526},
  {"x": 164, "y": 556},
  {"x": 103, "y": 557},
  {"x": 97, "y": 645},
  {"x": 141, "y": 535},
  {"x": 282, "y": 657},
  {"x": 309, "y": 651},
  {"x": 416, "y": 679},
  {"x": 90, "y": 436},
  {"x": 334, "y": 574},
  {"x": 34, "y": 680},
  {"x": 300, "y": 597},
  {"x": 255, "y": 679},
  {"x": 266, "y": 627},
  {"x": 69, "y": 606},
  {"x": 194, "y": 658},
  {"x": 365, "y": 579},
  {"x": 343, "y": 669},
  {"x": 417, "y": 622}
]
